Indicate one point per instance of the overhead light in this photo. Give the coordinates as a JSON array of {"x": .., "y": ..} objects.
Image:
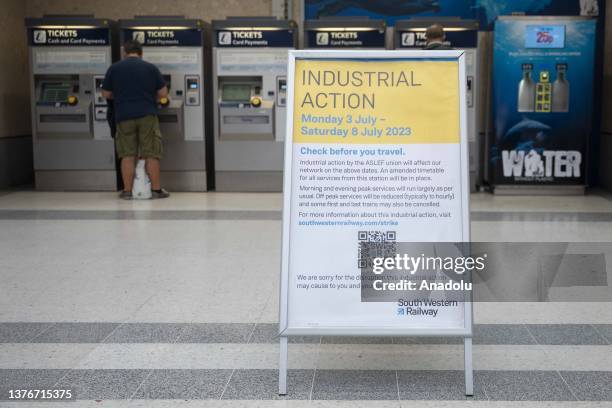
[
  {"x": 159, "y": 28},
  {"x": 253, "y": 28},
  {"x": 347, "y": 29},
  {"x": 445, "y": 29},
  {"x": 63, "y": 27}
]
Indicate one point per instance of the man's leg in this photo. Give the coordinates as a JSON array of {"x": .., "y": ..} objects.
[
  {"x": 126, "y": 141},
  {"x": 128, "y": 165},
  {"x": 152, "y": 167},
  {"x": 151, "y": 149}
]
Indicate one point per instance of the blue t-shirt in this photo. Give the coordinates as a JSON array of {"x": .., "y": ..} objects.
[{"x": 134, "y": 84}]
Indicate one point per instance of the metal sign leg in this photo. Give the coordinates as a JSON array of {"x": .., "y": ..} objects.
[
  {"x": 469, "y": 369},
  {"x": 282, "y": 367}
]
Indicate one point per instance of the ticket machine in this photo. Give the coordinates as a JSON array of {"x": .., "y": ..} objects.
[
  {"x": 250, "y": 91},
  {"x": 73, "y": 148},
  {"x": 460, "y": 34},
  {"x": 180, "y": 48},
  {"x": 338, "y": 32}
]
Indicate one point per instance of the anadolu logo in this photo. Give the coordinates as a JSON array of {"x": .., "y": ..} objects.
[
  {"x": 225, "y": 37},
  {"x": 322, "y": 39},
  {"x": 40, "y": 36}
]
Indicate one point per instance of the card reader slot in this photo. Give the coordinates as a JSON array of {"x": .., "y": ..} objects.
[
  {"x": 62, "y": 118},
  {"x": 168, "y": 118},
  {"x": 238, "y": 120}
]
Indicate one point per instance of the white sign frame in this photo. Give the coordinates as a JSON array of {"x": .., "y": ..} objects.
[{"x": 284, "y": 329}]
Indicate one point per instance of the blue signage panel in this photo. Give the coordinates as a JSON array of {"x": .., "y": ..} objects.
[
  {"x": 41, "y": 37},
  {"x": 545, "y": 36},
  {"x": 489, "y": 10},
  {"x": 345, "y": 39},
  {"x": 484, "y": 10},
  {"x": 542, "y": 100},
  {"x": 164, "y": 37},
  {"x": 255, "y": 38},
  {"x": 390, "y": 10}
]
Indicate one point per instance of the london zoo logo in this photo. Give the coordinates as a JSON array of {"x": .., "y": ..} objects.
[
  {"x": 40, "y": 36},
  {"x": 225, "y": 37},
  {"x": 544, "y": 37},
  {"x": 322, "y": 38}
]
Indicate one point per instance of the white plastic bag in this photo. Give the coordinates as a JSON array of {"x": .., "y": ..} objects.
[{"x": 141, "y": 190}]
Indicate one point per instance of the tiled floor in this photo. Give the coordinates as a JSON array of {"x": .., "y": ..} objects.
[{"x": 145, "y": 304}]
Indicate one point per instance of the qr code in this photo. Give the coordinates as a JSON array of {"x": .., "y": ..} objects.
[
  {"x": 376, "y": 236},
  {"x": 375, "y": 244}
]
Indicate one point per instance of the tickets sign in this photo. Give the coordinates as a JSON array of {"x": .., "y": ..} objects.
[{"x": 68, "y": 36}]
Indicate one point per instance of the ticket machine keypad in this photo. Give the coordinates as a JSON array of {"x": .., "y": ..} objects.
[
  {"x": 281, "y": 91},
  {"x": 192, "y": 90},
  {"x": 544, "y": 93},
  {"x": 100, "y": 104}
]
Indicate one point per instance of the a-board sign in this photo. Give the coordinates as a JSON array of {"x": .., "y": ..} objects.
[{"x": 376, "y": 154}]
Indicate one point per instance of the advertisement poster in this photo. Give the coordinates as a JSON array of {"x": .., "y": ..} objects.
[
  {"x": 377, "y": 153},
  {"x": 484, "y": 10},
  {"x": 391, "y": 10},
  {"x": 543, "y": 91},
  {"x": 489, "y": 10}
]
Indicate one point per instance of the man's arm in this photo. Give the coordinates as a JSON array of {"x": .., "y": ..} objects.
[
  {"x": 161, "y": 86},
  {"x": 163, "y": 92},
  {"x": 107, "y": 85}
]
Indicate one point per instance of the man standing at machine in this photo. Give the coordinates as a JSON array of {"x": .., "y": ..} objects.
[
  {"x": 136, "y": 87},
  {"x": 436, "y": 38}
]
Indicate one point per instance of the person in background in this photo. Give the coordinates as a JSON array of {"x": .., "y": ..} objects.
[
  {"x": 436, "y": 38},
  {"x": 135, "y": 88}
]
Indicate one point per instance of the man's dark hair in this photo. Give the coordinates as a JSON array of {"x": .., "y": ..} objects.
[
  {"x": 435, "y": 32},
  {"x": 132, "y": 47}
]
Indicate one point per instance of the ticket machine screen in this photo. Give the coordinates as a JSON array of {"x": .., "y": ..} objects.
[
  {"x": 192, "y": 83},
  {"x": 236, "y": 92},
  {"x": 55, "y": 93}
]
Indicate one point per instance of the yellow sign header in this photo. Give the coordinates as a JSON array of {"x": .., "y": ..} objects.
[{"x": 376, "y": 102}]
